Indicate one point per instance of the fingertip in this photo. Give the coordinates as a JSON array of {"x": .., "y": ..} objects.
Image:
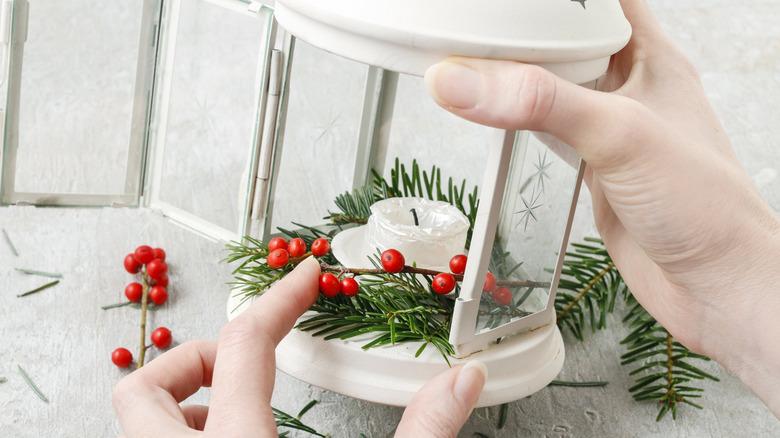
[
  {"x": 469, "y": 383},
  {"x": 303, "y": 280},
  {"x": 454, "y": 84}
]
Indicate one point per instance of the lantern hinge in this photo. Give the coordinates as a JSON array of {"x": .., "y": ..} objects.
[{"x": 268, "y": 137}]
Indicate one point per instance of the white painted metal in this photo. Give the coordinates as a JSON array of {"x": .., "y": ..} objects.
[
  {"x": 265, "y": 218},
  {"x": 264, "y": 15},
  {"x": 410, "y": 35},
  {"x": 263, "y": 166},
  {"x": 17, "y": 34}
]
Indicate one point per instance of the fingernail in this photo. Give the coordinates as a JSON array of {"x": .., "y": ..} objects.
[
  {"x": 454, "y": 85},
  {"x": 308, "y": 261},
  {"x": 469, "y": 383}
]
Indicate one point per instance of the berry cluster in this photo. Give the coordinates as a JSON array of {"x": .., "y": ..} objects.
[
  {"x": 280, "y": 251},
  {"x": 150, "y": 264},
  {"x": 500, "y": 295},
  {"x": 444, "y": 283},
  {"x": 331, "y": 286}
]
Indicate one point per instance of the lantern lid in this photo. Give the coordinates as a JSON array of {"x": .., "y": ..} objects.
[{"x": 572, "y": 38}]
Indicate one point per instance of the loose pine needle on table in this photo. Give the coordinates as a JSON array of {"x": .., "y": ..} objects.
[
  {"x": 39, "y": 273},
  {"x": 38, "y": 289},
  {"x": 32, "y": 384},
  {"x": 10, "y": 244}
]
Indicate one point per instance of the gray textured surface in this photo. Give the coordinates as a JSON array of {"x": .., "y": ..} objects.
[{"x": 63, "y": 339}]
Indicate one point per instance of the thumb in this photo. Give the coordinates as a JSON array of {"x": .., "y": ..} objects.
[
  {"x": 602, "y": 127},
  {"x": 444, "y": 404}
]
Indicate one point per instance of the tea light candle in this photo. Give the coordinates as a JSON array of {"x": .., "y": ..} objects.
[{"x": 426, "y": 232}]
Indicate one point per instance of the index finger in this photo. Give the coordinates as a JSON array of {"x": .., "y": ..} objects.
[{"x": 244, "y": 369}]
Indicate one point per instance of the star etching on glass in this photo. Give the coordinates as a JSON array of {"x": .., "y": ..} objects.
[
  {"x": 527, "y": 213},
  {"x": 542, "y": 165}
]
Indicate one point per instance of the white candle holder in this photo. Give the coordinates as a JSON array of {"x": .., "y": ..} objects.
[{"x": 427, "y": 233}]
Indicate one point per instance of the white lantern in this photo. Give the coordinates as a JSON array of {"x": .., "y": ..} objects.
[{"x": 242, "y": 118}]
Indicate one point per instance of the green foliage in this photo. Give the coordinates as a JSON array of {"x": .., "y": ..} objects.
[
  {"x": 286, "y": 420},
  {"x": 665, "y": 371},
  {"x": 393, "y": 308},
  {"x": 588, "y": 288}
]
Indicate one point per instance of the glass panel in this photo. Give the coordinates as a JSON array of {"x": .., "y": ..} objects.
[
  {"x": 320, "y": 140},
  {"x": 212, "y": 88},
  {"x": 423, "y": 131},
  {"x": 77, "y": 94},
  {"x": 534, "y": 217}
]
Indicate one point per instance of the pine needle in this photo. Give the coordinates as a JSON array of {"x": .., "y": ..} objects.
[
  {"x": 31, "y": 384},
  {"x": 39, "y": 273},
  {"x": 503, "y": 414},
  {"x": 594, "y": 384},
  {"x": 115, "y": 305},
  {"x": 38, "y": 289},
  {"x": 10, "y": 244},
  {"x": 284, "y": 419}
]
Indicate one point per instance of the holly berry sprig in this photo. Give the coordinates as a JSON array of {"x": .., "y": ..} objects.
[
  {"x": 338, "y": 280},
  {"x": 149, "y": 264}
]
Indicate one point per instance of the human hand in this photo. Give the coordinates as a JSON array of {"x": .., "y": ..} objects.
[
  {"x": 679, "y": 215},
  {"x": 240, "y": 369}
]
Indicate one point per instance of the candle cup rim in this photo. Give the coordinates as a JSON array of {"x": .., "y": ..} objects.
[{"x": 378, "y": 216}]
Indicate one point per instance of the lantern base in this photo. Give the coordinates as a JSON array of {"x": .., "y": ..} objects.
[{"x": 517, "y": 367}]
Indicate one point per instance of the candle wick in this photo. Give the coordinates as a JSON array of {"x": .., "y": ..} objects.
[{"x": 416, "y": 220}]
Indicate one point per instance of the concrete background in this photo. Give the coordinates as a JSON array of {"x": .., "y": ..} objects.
[{"x": 75, "y": 131}]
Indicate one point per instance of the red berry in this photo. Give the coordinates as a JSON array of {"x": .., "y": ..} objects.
[
  {"x": 161, "y": 337},
  {"x": 276, "y": 243},
  {"x": 349, "y": 287},
  {"x": 158, "y": 295},
  {"x": 443, "y": 283},
  {"x": 278, "y": 258},
  {"x": 122, "y": 357},
  {"x": 296, "y": 247},
  {"x": 144, "y": 254},
  {"x": 132, "y": 265},
  {"x": 156, "y": 269},
  {"x": 329, "y": 285},
  {"x": 133, "y": 292},
  {"x": 162, "y": 281},
  {"x": 159, "y": 253},
  {"x": 320, "y": 247},
  {"x": 490, "y": 283},
  {"x": 393, "y": 261},
  {"x": 458, "y": 264},
  {"x": 502, "y": 296}
]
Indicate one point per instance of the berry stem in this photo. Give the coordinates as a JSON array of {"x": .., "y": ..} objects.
[
  {"x": 144, "y": 305},
  {"x": 413, "y": 270}
]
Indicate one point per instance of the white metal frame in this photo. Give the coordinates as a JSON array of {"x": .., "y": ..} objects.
[
  {"x": 192, "y": 221},
  {"x": 373, "y": 143},
  {"x": 372, "y": 140},
  {"x": 463, "y": 332},
  {"x": 15, "y": 17}
]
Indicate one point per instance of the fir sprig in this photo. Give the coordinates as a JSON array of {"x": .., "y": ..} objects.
[
  {"x": 390, "y": 309},
  {"x": 288, "y": 421},
  {"x": 665, "y": 370},
  {"x": 589, "y": 286}
]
